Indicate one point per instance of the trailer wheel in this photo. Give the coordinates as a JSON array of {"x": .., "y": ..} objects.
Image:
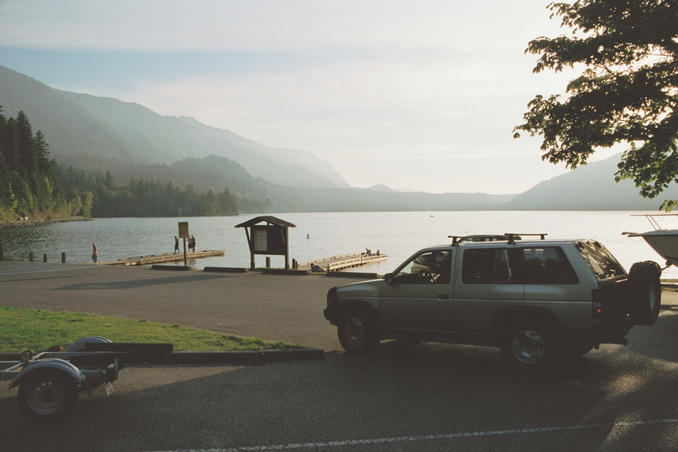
[{"x": 47, "y": 395}]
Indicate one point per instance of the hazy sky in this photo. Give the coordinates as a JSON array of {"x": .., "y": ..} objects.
[{"x": 417, "y": 95}]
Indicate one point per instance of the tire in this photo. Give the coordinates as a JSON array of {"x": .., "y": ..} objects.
[
  {"x": 47, "y": 395},
  {"x": 357, "y": 332},
  {"x": 645, "y": 292},
  {"x": 527, "y": 344}
]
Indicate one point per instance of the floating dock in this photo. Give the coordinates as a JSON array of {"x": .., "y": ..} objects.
[
  {"x": 162, "y": 258},
  {"x": 337, "y": 263}
]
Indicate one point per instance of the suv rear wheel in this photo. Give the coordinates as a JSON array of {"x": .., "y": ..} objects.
[
  {"x": 526, "y": 344},
  {"x": 357, "y": 332}
]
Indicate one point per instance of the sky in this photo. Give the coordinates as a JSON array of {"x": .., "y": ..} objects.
[{"x": 413, "y": 95}]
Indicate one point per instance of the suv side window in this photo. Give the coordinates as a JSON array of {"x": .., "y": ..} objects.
[
  {"x": 486, "y": 266},
  {"x": 543, "y": 265},
  {"x": 429, "y": 267}
]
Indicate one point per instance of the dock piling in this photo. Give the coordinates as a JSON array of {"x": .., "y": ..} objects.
[
  {"x": 30, "y": 256},
  {"x": 44, "y": 257},
  {"x": 63, "y": 257}
]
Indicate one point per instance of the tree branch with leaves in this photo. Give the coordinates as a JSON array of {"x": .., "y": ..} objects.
[{"x": 626, "y": 93}]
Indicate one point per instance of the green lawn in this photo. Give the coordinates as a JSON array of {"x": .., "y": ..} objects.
[{"x": 39, "y": 330}]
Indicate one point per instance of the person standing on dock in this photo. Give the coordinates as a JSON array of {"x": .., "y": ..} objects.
[
  {"x": 95, "y": 253},
  {"x": 176, "y": 244},
  {"x": 191, "y": 243}
]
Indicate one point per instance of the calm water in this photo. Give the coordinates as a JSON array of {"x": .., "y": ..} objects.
[{"x": 318, "y": 235}]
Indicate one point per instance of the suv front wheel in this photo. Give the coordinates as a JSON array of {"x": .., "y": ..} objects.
[{"x": 357, "y": 332}]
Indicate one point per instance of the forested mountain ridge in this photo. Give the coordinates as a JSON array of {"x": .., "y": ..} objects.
[
  {"x": 589, "y": 187},
  {"x": 29, "y": 180},
  {"x": 84, "y": 130},
  {"x": 35, "y": 189}
]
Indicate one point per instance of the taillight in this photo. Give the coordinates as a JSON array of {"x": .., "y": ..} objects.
[{"x": 597, "y": 304}]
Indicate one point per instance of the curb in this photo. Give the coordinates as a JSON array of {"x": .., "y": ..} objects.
[
  {"x": 246, "y": 357},
  {"x": 282, "y": 271},
  {"x": 177, "y": 268},
  {"x": 225, "y": 269},
  {"x": 234, "y": 357},
  {"x": 352, "y": 275}
]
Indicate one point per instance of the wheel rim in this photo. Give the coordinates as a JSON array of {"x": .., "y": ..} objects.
[
  {"x": 46, "y": 396},
  {"x": 354, "y": 331},
  {"x": 528, "y": 346}
]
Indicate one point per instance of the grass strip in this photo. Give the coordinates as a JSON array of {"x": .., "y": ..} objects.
[{"x": 40, "y": 330}]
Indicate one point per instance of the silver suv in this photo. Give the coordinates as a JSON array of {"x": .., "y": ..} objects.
[{"x": 538, "y": 300}]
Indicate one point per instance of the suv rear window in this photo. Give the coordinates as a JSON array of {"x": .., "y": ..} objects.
[
  {"x": 529, "y": 265},
  {"x": 599, "y": 260}
]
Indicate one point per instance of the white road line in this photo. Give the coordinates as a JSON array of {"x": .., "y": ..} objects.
[{"x": 402, "y": 439}]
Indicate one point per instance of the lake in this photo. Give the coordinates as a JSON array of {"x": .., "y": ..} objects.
[{"x": 318, "y": 235}]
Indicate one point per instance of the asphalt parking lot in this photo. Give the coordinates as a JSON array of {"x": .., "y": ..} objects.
[{"x": 427, "y": 397}]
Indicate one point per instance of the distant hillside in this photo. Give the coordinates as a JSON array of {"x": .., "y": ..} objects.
[
  {"x": 216, "y": 173},
  {"x": 88, "y": 131},
  {"x": 589, "y": 187}
]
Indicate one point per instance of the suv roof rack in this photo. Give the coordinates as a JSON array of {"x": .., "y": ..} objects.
[
  {"x": 456, "y": 239},
  {"x": 511, "y": 237}
]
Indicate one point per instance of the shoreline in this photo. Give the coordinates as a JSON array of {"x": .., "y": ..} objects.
[{"x": 22, "y": 224}]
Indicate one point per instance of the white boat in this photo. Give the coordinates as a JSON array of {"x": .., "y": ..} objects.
[{"x": 663, "y": 241}]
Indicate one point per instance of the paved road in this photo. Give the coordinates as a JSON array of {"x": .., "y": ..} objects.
[
  {"x": 269, "y": 306},
  {"x": 431, "y": 397}
]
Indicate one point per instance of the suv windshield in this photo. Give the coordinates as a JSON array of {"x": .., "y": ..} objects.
[{"x": 599, "y": 259}]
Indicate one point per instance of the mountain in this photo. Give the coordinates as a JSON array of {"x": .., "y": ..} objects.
[
  {"x": 89, "y": 132},
  {"x": 589, "y": 187},
  {"x": 132, "y": 141},
  {"x": 216, "y": 173}
]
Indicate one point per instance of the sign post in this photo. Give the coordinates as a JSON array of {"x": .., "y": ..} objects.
[{"x": 183, "y": 233}]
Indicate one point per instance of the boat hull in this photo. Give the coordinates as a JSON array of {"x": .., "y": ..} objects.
[{"x": 665, "y": 242}]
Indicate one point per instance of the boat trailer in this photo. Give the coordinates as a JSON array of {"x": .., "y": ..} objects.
[{"x": 50, "y": 382}]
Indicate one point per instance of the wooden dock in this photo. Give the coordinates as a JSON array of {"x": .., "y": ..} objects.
[
  {"x": 337, "y": 263},
  {"x": 162, "y": 258}
]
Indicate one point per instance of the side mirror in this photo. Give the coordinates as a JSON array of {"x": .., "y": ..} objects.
[{"x": 388, "y": 277}]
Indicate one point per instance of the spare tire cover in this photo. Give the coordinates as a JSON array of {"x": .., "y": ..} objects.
[{"x": 645, "y": 292}]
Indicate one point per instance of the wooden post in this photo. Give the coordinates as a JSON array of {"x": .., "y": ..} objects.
[
  {"x": 2, "y": 253},
  {"x": 295, "y": 264},
  {"x": 44, "y": 257},
  {"x": 63, "y": 257},
  {"x": 287, "y": 249},
  {"x": 30, "y": 256},
  {"x": 95, "y": 253},
  {"x": 251, "y": 245},
  {"x": 185, "y": 257}
]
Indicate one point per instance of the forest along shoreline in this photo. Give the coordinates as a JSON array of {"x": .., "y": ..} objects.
[{"x": 29, "y": 222}]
